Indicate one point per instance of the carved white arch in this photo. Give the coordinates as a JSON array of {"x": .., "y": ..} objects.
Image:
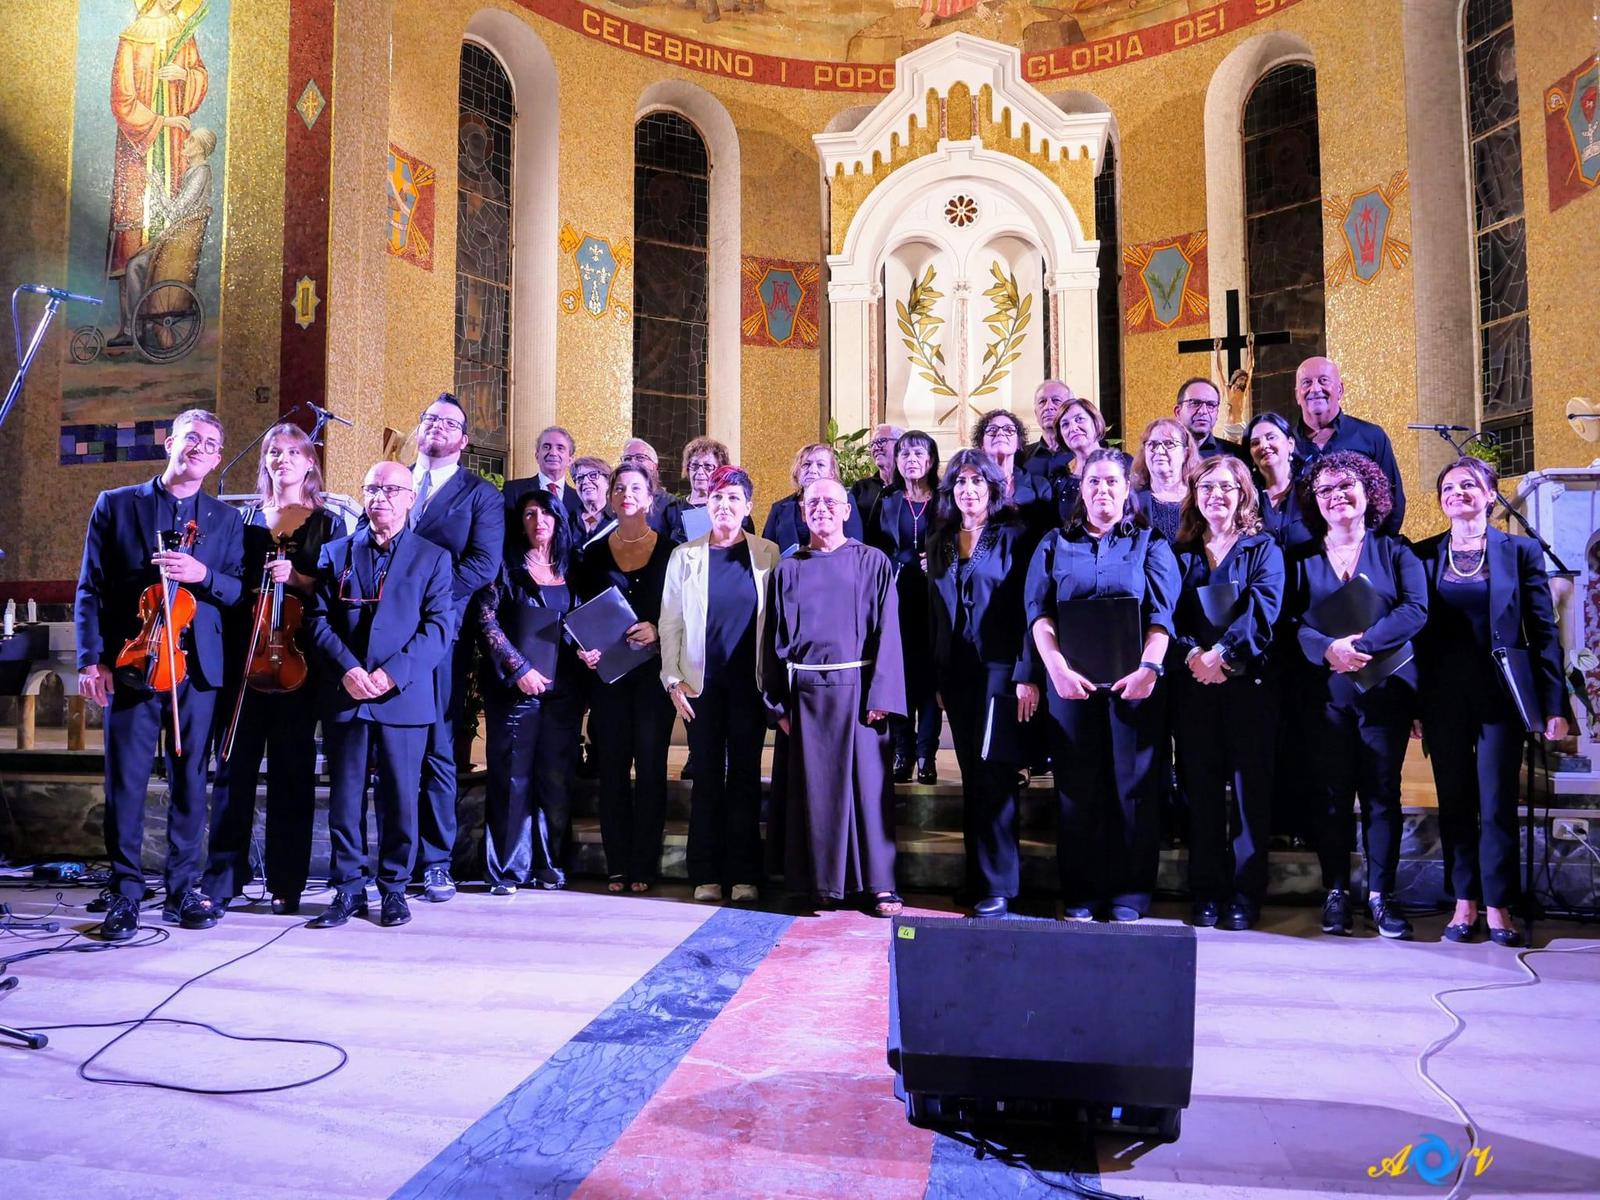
[
  {"x": 535, "y": 171},
  {"x": 705, "y": 112},
  {"x": 1226, "y": 95}
]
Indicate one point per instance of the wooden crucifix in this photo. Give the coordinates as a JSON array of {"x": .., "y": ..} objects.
[{"x": 1240, "y": 348}]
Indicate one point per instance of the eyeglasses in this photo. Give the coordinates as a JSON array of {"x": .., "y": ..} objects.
[
  {"x": 344, "y": 586},
  {"x": 703, "y": 468},
  {"x": 588, "y": 477},
  {"x": 1165, "y": 445},
  {"x": 387, "y": 490},
  {"x": 1000, "y": 433},
  {"x": 825, "y": 505},
  {"x": 435, "y": 419},
  {"x": 1217, "y": 489},
  {"x": 208, "y": 445},
  {"x": 1213, "y": 405},
  {"x": 880, "y": 443},
  {"x": 1340, "y": 485}
]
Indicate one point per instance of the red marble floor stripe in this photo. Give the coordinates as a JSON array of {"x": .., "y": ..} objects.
[{"x": 787, "y": 1093}]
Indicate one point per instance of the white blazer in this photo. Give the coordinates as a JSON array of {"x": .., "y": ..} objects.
[{"x": 682, "y": 627}]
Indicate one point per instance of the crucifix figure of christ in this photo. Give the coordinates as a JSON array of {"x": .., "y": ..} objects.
[{"x": 1240, "y": 348}]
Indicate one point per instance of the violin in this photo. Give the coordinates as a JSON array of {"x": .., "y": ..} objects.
[
  {"x": 151, "y": 657},
  {"x": 274, "y": 663}
]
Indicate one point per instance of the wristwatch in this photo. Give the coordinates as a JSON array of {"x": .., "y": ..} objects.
[{"x": 1156, "y": 667}]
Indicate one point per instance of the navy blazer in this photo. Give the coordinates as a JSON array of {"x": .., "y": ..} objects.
[
  {"x": 123, "y": 534},
  {"x": 989, "y": 601},
  {"x": 1255, "y": 566},
  {"x": 413, "y": 622},
  {"x": 786, "y": 526},
  {"x": 1352, "y": 433},
  {"x": 466, "y": 519},
  {"x": 1396, "y": 574},
  {"x": 1521, "y": 614}
]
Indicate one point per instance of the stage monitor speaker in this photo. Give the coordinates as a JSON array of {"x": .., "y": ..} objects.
[{"x": 1041, "y": 1012}]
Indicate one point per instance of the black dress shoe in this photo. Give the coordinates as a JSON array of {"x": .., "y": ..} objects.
[
  {"x": 1507, "y": 937},
  {"x": 1125, "y": 914},
  {"x": 192, "y": 910},
  {"x": 1336, "y": 918},
  {"x": 122, "y": 919},
  {"x": 285, "y": 906},
  {"x": 1460, "y": 931},
  {"x": 395, "y": 909},
  {"x": 1387, "y": 918},
  {"x": 345, "y": 905},
  {"x": 927, "y": 772},
  {"x": 1077, "y": 912},
  {"x": 1239, "y": 916},
  {"x": 902, "y": 768},
  {"x": 991, "y": 906},
  {"x": 1204, "y": 914}
]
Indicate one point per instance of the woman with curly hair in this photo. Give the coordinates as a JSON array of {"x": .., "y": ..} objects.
[
  {"x": 1226, "y": 702},
  {"x": 1357, "y": 720},
  {"x": 998, "y": 435}
]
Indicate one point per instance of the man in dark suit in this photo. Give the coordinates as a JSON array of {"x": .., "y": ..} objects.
[
  {"x": 460, "y": 512},
  {"x": 554, "y": 452},
  {"x": 382, "y": 616},
  {"x": 1324, "y": 427},
  {"x": 1198, "y": 406},
  {"x": 123, "y": 554},
  {"x": 1047, "y": 457}
]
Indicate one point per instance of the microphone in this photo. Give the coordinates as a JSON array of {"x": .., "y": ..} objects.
[
  {"x": 1442, "y": 428},
  {"x": 44, "y": 289},
  {"x": 326, "y": 415}
]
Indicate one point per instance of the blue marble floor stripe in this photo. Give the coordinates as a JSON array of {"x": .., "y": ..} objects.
[{"x": 546, "y": 1136}]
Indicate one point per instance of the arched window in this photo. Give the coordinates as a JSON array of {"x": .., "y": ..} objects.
[
  {"x": 671, "y": 277},
  {"x": 483, "y": 257},
  {"x": 1505, "y": 369},
  {"x": 1283, "y": 227},
  {"x": 1109, "y": 299}
]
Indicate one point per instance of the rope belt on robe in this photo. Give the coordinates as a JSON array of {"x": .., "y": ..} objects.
[{"x": 849, "y": 666}]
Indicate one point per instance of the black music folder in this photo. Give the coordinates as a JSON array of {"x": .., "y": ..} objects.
[
  {"x": 1219, "y": 604},
  {"x": 602, "y": 624},
  {"x": 1355, "y": 608},
  {"x": 1102, "y": 637},
  {"x": 1004, "y": 737},
  {"x": 541, "y": 639},
  {"x": 1516, "y": 672}
]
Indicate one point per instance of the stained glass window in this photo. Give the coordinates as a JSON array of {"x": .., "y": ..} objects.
[
  {"x": 1505, "y": 370},
  {"x": 671, "y": 277},
  {"x": 1283, "y": 228},
  {"x": 483, "y": 256},
  {"x": 1109, "y": 296}
]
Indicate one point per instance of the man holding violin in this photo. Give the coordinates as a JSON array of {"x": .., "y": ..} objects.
[{"x": 161, "y": 561}]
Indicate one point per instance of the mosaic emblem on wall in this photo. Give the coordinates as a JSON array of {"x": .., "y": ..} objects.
[
  {"x": 596, "y": 263},
  {"x": 778, "y": 303},
  {"x": 1572, "y": 134},
  {"x": 149, "y": 128},
  {"x": 1164, "y": 283},
  {"x": 410, "y": 185},
  {"x": 1365, "y": 223}
]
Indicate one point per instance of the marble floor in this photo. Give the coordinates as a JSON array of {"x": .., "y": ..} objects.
[{"x": 576, "y": 1043}]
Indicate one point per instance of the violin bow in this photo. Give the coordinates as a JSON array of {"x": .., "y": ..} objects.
[{"x": 172, "y": 662}]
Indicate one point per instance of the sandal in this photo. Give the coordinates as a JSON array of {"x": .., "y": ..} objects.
[
  {"x": 616, "y": 885},
  {"x": 887, "y": 904},
  {"x": 638, "y": 887}
]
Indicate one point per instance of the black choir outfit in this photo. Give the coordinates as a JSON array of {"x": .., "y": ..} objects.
[
  {"x": 1285, "y": 520},
  {"x": 1163, "y": 515},
  {"x": 124, "y": 531},
  {"x": 1226, "y": 732},
  {"x": 515, "y": 490},
  {"x": 1356, "y": 740},
  {"x": 531, "y": 741},
  {"x": 902, "y": 534},
  {"x": 1032, "y": 499},
  {"x": 1104, "y": 748},
  {"x": 1352, "y": 433},
  {"x": 1038, "y": 459},
  {"x": 391, "y": 607},
  {"x": 981, "y": 651},
  {"x": 630, "y": 722},
  {"x": 865, "y": 496},
  {"x": 1211, "y": 445},
  {"x": 1471, "y": 727},
  {"x": 465, "y": 517},
  {"x": 281, "y": 725},
  {"x": 786, "y": 525}
]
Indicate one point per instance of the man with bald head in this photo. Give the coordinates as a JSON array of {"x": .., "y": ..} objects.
[
  {"x": 1324, "y": 427},
  {"x": 383, "y": 617},
  {"x": 866, "y": 494},
  {"x": 1048, "y": 457}
]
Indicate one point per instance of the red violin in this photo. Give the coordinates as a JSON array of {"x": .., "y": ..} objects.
[
  {"x": 275, "y": 662},
  {"x": 166, "y": 609}
]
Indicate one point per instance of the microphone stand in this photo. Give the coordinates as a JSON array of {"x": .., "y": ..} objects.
[{"x": 254, "y": 442}]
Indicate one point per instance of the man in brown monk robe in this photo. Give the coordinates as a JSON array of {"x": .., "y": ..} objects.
[{"x": 833, "y": 675}]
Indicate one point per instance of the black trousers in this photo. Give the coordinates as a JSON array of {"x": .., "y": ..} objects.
[
  {"x": 988, "y": 792},
  {"x": 1294, "y": 790},
  {"x": 918, "y": 734},
  {"x": 1108, "y": 842},
  {"x": 284, "y": 726},
  {"x": 1226, "y": 734},
  {"x": 1476, "y": 761},
  {"x": 533, "y": 752},
  {"x": 398, "y": 758},
  {"x": 630, "y": 723},
  {"x": 1357, "y": 745},
  {"x": 133, "y": 723},
  {"x": 436, "y": 811},
  {"x": 725, "y": 738}
]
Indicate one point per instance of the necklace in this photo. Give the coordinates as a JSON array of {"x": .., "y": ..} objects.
[
  {"x": 1217, "y": 550},
  {"x": 628, "y": 541},
  {"x": 1344, "y": 558},
  {"x": 1474, "y": 555},
  {"x": 535, "y": 559}
]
